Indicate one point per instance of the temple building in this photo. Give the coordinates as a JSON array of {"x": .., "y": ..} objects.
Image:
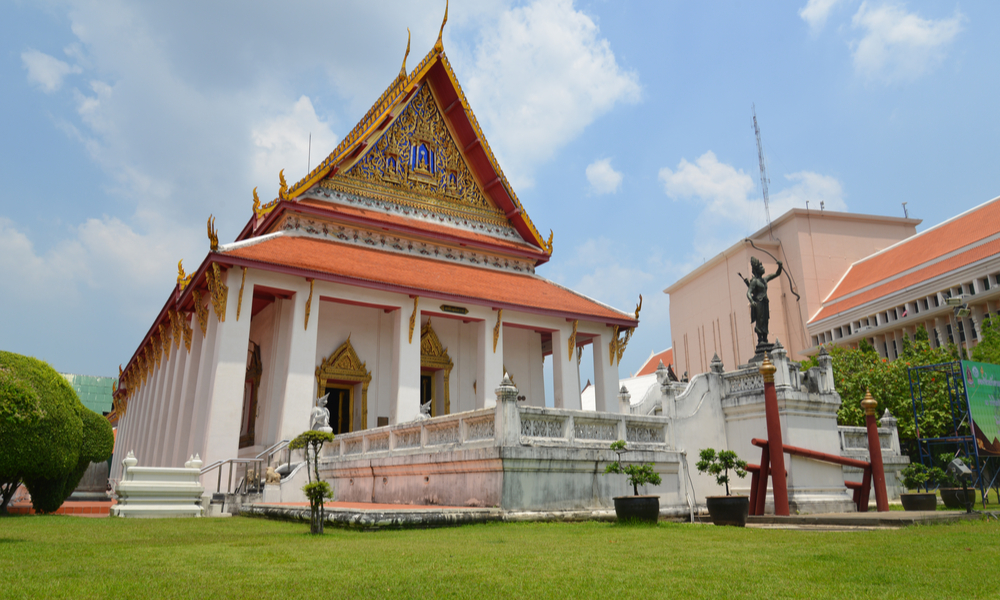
[{"x": 397, "y": 279}]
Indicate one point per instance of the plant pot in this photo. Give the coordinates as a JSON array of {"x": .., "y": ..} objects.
[
  {"x": 728, "y": 510},
  {"x": 919, "y": 501},
  {"x": 645, "y": 509},
  {"x": 957, "y": 497}
]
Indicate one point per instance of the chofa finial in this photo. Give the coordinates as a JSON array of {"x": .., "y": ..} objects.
[
  {"x": 282, "y": 185},
  {"x": 439, "y": 44},
  {"x": 402, "y": 70},
  {"x": 213, "y": 235}
]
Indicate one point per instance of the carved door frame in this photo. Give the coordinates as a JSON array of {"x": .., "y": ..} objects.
[{"x": 344, "y": 366}]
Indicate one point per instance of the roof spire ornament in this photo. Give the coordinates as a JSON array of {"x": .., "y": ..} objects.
[
  {"x": 548, "y": 244},
  {"x": 439, "y": 44},
  {"x": 282, "y": 185},
  {"x": 256, "y": 201},
  {"x": 402, "y": 70},
  {"x": 213, "y": 235},
  {"x": 183, "y": 279}
]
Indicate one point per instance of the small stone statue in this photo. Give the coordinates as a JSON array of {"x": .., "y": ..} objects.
[
  {"x": 760, "y": 311},
  {"x": 271, "y": 477},
  {"x": 321, "y": 416}
]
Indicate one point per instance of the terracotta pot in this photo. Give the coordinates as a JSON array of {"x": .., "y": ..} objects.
[
  {"x": 957, "y": 497},
  {"x": 644, "y": 509},
  {"x": 919, "y": 501},
  {"x": 728, "y": 510}
]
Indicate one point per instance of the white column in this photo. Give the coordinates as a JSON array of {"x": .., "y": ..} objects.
[
  {"x": 185, "y": 407},
  {"x": 164, "y": 433},
  {"x": 222, "y": 432},
  {"x": 489, "y": 366},
  {"x": 605, "y": 375},
  {"x": 145, "y": 429},
  {"x": 299, "y": 393},
  {"x": 565, "y": 375},
  {"x": 203, "y": 385},
  {"x": 278, "y": 360},
  {"x": 404, "y": 400}
]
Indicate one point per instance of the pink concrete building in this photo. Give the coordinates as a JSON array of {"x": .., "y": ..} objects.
[{"x": 709, "y": 312}]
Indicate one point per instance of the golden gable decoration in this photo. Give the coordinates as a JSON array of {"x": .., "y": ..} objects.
[
  {"x": 345, "y": 366},
  {"x": 435, "y": 356},
  {"x": 219, "y": 291},
  {"x": 202, "y": 311},
  {"x": 418, "y": 160}
]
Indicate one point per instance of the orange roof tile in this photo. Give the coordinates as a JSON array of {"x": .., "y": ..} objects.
[
  {"x": 949, "y": 236},
  {"x": 410, "y": 274},
  {"x": 381, "y": 217},
  {"x": 667, "y": 356},
  {"x": 955, "y": 262}
]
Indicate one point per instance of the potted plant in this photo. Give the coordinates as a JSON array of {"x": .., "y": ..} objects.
[
  {"x": 728, "y": 509},
  {"x": 915, "y": 476},
  {"x": 952, "y": 493},
  {"x": 635, "y": 508}
]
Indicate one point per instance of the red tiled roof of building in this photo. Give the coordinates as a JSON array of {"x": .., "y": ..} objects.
[
  {"x": 649, "y": 367},
  {"x": 961, "y": 231},
  {"x": 409, "y": 274},
  {"x": 955, "y": 262}
]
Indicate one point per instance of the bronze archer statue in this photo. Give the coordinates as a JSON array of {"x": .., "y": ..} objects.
[{"x": 760, "y": 311}]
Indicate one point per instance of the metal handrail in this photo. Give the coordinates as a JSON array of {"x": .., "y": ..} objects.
[{"x": 258, "y": 460}]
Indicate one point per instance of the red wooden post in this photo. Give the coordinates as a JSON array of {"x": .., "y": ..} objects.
[
  {"x": 779, "y": 485},
  {"x": 765, "y": 470},
  {"x": 754, "y": 477},
  {"x": 866, "y": 490},
  {"x": 875, "y": 453}
]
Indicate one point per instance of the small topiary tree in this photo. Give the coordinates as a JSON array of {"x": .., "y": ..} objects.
[
  {"x": 638, "y": 474},
  {"x": 316, "y": 490},
  {"x": 719, "y": 464},
  {"x": 47, "y": 437}
]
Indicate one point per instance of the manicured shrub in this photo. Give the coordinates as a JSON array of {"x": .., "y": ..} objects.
[{"x": 47, "y": 437}]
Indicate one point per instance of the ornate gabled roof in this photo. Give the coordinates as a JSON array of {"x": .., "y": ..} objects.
[{"x": 420, "y": 144}]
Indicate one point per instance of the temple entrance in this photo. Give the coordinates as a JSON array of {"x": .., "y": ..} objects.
[
  {"x": 340, "y": 403},
  {"x": 251, "y": 385},
  {"x": 434, "y": 359},
  {"x": 339, "y": 374}
]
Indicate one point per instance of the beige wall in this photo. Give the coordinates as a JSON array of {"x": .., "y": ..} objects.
[{"x": 709, "y": 312}]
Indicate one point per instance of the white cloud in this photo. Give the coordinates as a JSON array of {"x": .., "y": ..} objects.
[
  {"x": 899, "y": 45},
  {"x": 815, "y": 12},
  {"x": 729, "y": 211},
  {"x": 540, "y": 75},
  {"x": 283, "y": 142},
  {"x": 602, "y": 177},
  {"x": 47, "y": 72}
]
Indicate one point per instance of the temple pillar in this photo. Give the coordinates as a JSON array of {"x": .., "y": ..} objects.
[
  {"x": 404, "y": 400},
  {"x": 489, "y": 366},
  {"x": 185, "y": 408},
  {"x": 605, "y": 375},
  {"x": 203, "y": 385},
  {"x": 299, "y": 394},
  {"x": 222, "y": 431},
  {"x": 165, "y": 410},
  {"x": 565, "y": 373}
]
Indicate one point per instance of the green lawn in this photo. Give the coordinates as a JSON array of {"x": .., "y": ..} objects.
[{"x": 73, "y": 557}]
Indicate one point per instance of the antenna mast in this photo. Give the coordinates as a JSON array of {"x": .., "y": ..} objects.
[{"x": 763, "y": 170}]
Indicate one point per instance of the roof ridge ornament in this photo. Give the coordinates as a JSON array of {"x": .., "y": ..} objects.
[
  {"x": 282, "y": 185},
  {"x": 548, "y": 244},
  {"x": 439, "y": 44},
  {"x": 213, "y": 235},
  {"x": 183, "y": 279},
  {"x": 402, "y": 70}
]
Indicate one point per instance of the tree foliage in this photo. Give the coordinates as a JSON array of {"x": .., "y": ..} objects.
[
  {"x": 316, "y": 490},
  {"x": 861, "y": 369},
  {"x": 988, "y": 348},
  {"x": 637, "y": 473},
  {"x": 719, "y": 464},
  {"x": 48, "y": 438}
]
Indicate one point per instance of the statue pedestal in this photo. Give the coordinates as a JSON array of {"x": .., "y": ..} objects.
[{"x": 758, "y": 356}]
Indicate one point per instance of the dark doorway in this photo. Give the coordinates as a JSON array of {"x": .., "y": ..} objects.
[
  {"x": 339, "y": 405},
  {"x": 427, "y": 389}
]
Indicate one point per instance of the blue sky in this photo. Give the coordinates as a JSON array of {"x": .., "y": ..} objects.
[{"x": 624, "y": 126}]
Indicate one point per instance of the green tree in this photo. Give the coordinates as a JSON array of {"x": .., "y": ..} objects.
[
  {"x": 316, "y": 490},
  {"x": 988, "y": 348},
  {"x": 856, "y": 370},
  {"x": 47, "y": 437}
]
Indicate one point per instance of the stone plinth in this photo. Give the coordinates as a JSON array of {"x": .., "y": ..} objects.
[{"x": 159, "y": 491}]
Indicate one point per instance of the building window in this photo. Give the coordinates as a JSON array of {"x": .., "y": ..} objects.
[
  {"x": 951, "y": 338},
  {"x": 937, "y": 301},
  {"x": 895, "y": 351}
]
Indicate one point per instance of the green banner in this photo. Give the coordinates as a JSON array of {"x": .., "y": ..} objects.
[{"x": 982, "y": 386}]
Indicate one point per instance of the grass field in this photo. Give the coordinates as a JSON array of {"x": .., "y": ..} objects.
[{"x": 73, "y": 557}]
